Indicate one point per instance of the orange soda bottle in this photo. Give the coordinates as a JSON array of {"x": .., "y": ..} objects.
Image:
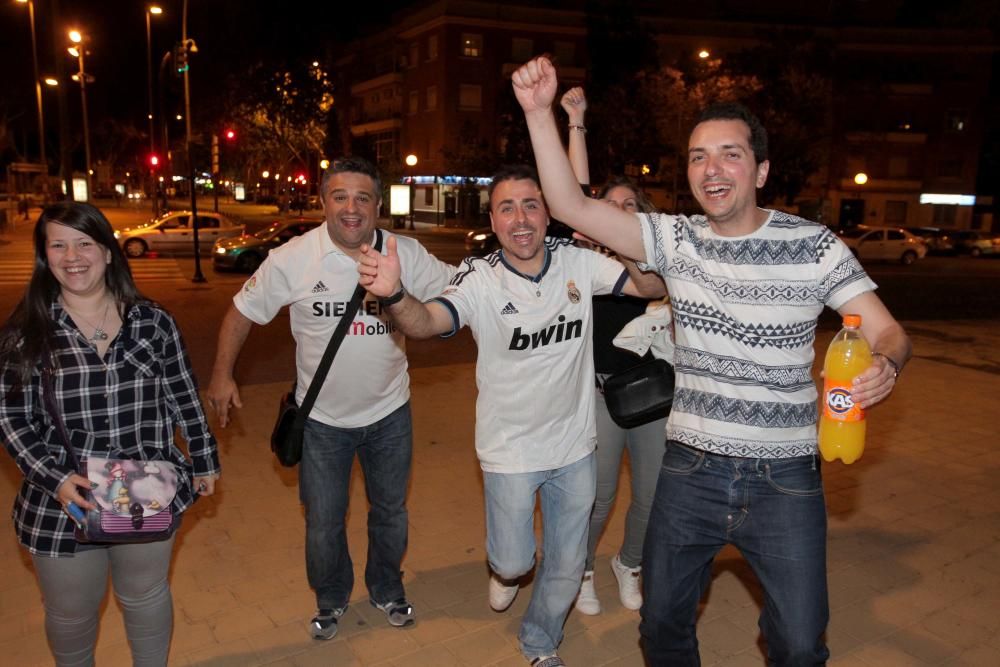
[{"x": 842, "y": 422}]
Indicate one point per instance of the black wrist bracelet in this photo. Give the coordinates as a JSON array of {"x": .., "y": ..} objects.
[
  {"x": 393, "y": 298},
  {"x": 891, "y": 362}
]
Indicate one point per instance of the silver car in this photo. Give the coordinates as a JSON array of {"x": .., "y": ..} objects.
[{"x": 173, "y": 233}]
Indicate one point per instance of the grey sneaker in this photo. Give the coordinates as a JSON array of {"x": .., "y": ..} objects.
[
  {"x": 324, "y": 624},
  {"x": 398, "y": 612}
]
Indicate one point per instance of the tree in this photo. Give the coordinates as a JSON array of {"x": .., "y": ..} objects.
[{"x": 283, "y": 113}]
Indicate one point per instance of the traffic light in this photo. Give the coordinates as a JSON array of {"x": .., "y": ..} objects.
[
  {"x": 154, "y": 160},
  {"x": 230, "y": 135},
  {"x": 180, "y": 58},
  {"x": 182, "y": 51}
]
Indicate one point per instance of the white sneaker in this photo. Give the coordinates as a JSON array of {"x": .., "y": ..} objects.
[
  {"x": 586, "y": 601},
  {"x": 628, "y": 583},
  {"x": 501, "y": 595}
]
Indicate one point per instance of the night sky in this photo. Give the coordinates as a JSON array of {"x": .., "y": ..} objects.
[
  {"x": 233, "y": 33},
  {"x": 229, "y": 33}
]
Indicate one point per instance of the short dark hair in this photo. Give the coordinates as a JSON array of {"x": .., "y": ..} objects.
[
  {"x": 641, "y": 200},
  {"x": 353, "y": 165},
  {"x": 512, "y": 172},
  {"x": 736, "y": 111}
]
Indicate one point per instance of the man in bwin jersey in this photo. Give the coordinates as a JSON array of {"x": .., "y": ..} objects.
[{"x": 529, "y": 306}]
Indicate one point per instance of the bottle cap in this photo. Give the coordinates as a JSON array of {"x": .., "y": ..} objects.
[{"x": 853, "y": 321}]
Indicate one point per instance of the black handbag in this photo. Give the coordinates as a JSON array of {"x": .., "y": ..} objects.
[
  {"x": 289, "y": 428},
  {"x": 640, "y": 394}
]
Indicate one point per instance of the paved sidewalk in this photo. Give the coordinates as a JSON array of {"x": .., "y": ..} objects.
[{"x": 914, "y": 549}]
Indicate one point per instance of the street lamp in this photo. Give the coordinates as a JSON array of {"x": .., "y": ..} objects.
[
  {"x": 411, "y": 161},
  {"x": 38, "y": 90},
  {"x": 150, "y": 11},
  {"x": 78, "y": 52}
]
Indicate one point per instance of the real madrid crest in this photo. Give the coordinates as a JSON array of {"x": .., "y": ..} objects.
[{"x": 572, "y": 292}]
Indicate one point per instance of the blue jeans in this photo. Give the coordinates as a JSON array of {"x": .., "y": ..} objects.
[
  {"x": 567, "y": 497},
  {"x": 384, "y": 449},
  {"x": 773, "y": 511}
]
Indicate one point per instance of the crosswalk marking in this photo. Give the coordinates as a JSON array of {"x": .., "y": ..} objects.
[{"x": 16, "y": 273}]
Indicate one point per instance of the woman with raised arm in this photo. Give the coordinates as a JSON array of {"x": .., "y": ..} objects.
[{"x": 645, "y": 443}]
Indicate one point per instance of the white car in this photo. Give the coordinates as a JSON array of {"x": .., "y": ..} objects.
[
  {"x": 173, "y": 233},
  {"x": 891, "y": 244}
]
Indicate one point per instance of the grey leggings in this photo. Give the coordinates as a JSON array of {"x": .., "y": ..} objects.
[
  {"x": 73, "y": 589},
  {"x": 646, "y": 445}
]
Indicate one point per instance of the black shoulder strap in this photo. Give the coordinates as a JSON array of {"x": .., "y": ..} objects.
[{"x": 331, "y": 349}]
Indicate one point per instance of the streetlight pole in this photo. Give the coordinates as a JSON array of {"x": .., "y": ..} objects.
[
  {"x": 38, "y": 91},
  {"x": 411, "y": 162},
  {"x": 198, "y": 277},
  {"x": 149, "y": 80},
  {"x": 78, "y": 51}
]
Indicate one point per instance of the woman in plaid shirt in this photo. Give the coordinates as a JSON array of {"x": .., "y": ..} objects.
[{"x": 122, "y": 381}]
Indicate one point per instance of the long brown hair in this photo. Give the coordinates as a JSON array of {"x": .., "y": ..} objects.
[{"x": 26, "y": 336}]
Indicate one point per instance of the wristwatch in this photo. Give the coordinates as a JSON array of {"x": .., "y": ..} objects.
[{"x": 396, "y": 298}]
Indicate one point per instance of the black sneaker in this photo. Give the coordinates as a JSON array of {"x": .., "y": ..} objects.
[
  {"x": 324, "y": 625},
  {"x": 399, "y": 612}
]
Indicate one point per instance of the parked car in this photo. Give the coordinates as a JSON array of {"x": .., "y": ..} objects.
[
  {"x": 893, "y": 244},
  {"x": 938, "y": 240},
  {"x": 173, "y": 233},
  {"x": 972, "y": 242},
  {"x": 245, "y": 253},
  {"x": 984, "y": 243},
  {"x": 483, "y": 241}
]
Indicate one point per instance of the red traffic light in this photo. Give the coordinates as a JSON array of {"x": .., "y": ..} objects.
[
  {"x": 230, "y": 134},
  {"x": 154, "y": 161}
]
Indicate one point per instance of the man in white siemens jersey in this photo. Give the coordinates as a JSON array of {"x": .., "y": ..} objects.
[
  {"x": 746, "y": 286},
  {"x": 363, "y": 407},
  {"x": 529, "y": 307}
]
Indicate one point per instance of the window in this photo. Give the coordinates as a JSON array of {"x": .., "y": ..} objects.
[
  {"x": 895, "y": 212},
  {"x": 522, "y": 49},
  {"x": 432, "y": 98},
  {"x": 428, "y": 196},
  {"x": 956, "y": 120},
  {"x": 470, "y": 97},
  {"x": 432, "y": 47},
  {"x": 899, "y": 167},
  {"x": 414, "y": 54},
  {"x": 565, "y": 53},
  {"x": 472, "y": 45},
  {"x": 414, "y": 102},
  {"x": 895, "y": 235},
  {"x": 944, "y": 215}
]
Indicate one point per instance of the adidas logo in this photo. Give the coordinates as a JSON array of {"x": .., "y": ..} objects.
[
  {"x": 509, "y": 309},
  {"x": 319, "y": 287}
]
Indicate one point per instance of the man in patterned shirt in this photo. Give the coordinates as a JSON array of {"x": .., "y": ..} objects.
[
  {"x": 747, "y": 286},
  {"x": 529, "y": 306}
]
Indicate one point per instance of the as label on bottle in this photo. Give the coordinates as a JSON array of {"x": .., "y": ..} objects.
[{"x": 838, "y": 404}]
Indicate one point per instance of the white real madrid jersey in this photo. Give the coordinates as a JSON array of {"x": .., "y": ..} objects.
[
  {"x": 535, "y": 368},
  {"x": 315, "y": 279}
]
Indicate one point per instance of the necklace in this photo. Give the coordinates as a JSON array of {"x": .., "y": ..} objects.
[{"x": 99, "y": 332}]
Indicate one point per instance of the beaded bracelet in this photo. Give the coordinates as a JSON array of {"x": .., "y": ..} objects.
[{"x": 578, "y": 128}]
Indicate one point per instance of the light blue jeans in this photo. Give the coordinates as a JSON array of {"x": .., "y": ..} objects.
[{"x": 567, "y": 496}]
